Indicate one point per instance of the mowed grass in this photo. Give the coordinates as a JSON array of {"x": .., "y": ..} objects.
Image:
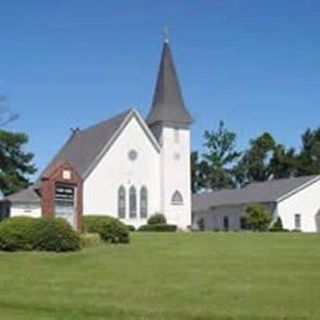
[{"x": 168, "y": 276}]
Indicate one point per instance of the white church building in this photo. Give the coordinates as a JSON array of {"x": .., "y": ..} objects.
[{"x": 126, "y": 167}]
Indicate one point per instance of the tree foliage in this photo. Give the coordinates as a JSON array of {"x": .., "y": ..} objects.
[
  {"x": 219, "y": 158},
  {"x": 199, "y": 172},
  {"x": 308, "y": 161},
  {"x": 15, "y": 163},
  {"x": 265, "y": 160},
  {"x": 223, "y": 166}
]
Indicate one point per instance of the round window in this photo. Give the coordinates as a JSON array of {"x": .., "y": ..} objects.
[{"x": 133, "y": 155}]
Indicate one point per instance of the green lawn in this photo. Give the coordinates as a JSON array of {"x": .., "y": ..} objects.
[{"x": 168, "y": 276}]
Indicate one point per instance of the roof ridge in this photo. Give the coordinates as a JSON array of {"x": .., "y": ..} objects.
[
  {"x": 113, "y": 118},
  {"x": 281, "y": 179}
]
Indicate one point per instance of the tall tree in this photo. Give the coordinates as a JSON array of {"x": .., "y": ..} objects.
[
  {"x": 199, "y": 172},
  {"x": 221, "y": 156},
  {"x": 283, "y": 162},
  {"x": 15, "y": 163},
  {"x": 265, "y": 160},
  {"x": 308, "y": 160}
]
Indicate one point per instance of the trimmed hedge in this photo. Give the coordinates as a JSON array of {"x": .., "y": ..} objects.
[
  {"x": 110, "y": 229},
  {"x": 43, "y": 234},
  {"x": 55, "y": 234},
  {"x": 158, "y": 227},
  {"x": 18, "y": 234},
  {"x": 157, "y": 218}
]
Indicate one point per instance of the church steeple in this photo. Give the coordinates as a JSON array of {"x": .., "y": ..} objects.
[{"x": 168, "y": 105}]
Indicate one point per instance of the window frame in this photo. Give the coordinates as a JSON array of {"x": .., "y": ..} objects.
[
  {"x": 174, "y": 199},
  {"x": 143, "y": 202},
  {"x": 297, "y": 218},
  {"x": 133, "y": 202},
  {"x": 122, "y": 202}
]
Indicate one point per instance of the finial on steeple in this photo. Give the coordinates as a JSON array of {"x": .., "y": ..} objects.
[{"x": 165, "y": 32}]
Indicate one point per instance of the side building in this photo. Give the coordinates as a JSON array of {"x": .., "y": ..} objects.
[{"x": 295, "y": 200}]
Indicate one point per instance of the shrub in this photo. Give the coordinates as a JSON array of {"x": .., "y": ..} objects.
[
  {"x": 110, "y": 229},
  {"x": 55, "y": 234},
  {"x": 45, "y": 233},
  {"x": 90, "y": 240},
  {"x": 17, "y": 233},
  {"x": 200, "y": 224},
  {"x": 131, "y": 228},
  {"x": 256, "y": 217},
  {"x": 158, "y": 227},
  {"x": 277, "y": 226},
  {"x": 157, "y": 218}
]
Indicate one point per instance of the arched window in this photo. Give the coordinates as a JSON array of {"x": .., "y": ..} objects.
[
  {"x": 177, "y": 198},
  {"x": 143, "y": 202},
  {"x": 121, "y": 202},
  {"x": 132, "y": 202}
]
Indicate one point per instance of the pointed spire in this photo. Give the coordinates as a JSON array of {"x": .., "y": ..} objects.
[{"x": 168, "y": 105}]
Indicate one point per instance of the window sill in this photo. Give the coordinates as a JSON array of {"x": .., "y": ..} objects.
[{"x": 177, "y": 203}]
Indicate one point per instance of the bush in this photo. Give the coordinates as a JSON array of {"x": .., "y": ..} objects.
[
  {"x": 17, "y": 233},
  {"x": 200, "y": 224},
  {"x": 45, "y": 233},
  {"x": 131, "y": 228},
  {"x": 55, "y": 234},
  {"x": 90, "y": 240},
  {"x": 277, "y": 226},
  {"x": 159, "y": 227},
  {"x": 256, "y": 218},
  {"x": 110, "y": 229},
  {"x": 157, "y": 218}
]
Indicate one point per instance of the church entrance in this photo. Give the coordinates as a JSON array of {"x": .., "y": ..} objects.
[{"x": 65, "y": 203}]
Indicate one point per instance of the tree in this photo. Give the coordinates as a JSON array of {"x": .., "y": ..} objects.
[
  {"x": 220, "y": 156},
  {"x": 265, "y": 160},
  {"x": 283, "y": 162},
  {"x": 256, "y": 217},
  {"x": 308, "y": 160},
  {"x": 254, "y": 165},
  {"x": 199, "y": 172},
  {"x": 15, "y": 163}
]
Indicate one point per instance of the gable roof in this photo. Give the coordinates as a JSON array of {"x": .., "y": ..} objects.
[
  {"x": 262, "y": 192},
  {"x": 85, "y": 147},
  {"x": 28, "y": 195},
  {"x": 168, "y": 104}
]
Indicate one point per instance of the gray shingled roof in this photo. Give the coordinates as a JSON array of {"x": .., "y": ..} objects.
[
  {"x": 83, "y": 147},
  {"x": 168, "y": 102},
  {"x": 26, "y": 195},
  {"x": 262, "y": 192}
]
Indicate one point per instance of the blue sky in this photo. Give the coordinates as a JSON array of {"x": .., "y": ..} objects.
[{"x": 253, "y": 64}]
